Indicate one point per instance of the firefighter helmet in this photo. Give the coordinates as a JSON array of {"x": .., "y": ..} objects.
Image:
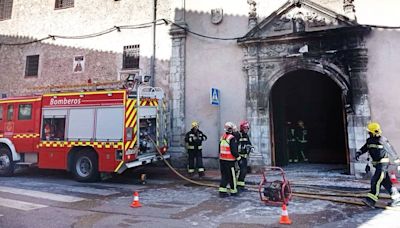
[
  {"x": 229, "y": 127},
  {"x": 374, "y": 128},
  {"x": 244, "y": 124},
  {"x": 195, "y": 124}
]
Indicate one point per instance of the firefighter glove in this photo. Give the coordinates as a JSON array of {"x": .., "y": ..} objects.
[{"x": 358, "y": 154}]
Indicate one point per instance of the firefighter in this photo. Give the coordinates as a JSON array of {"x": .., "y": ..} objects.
[
  {"x": 301, "y": 137},
  {"x": 194, "y": 139},
  {"x": 380, "y": 151},
  {"x": 244, "y": 149},
  {"x": 228, "y": 155},
  {"x": 292, "y": 143}
]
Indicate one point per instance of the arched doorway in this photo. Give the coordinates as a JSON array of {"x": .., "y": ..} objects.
[{"x": 317, "y": 100}]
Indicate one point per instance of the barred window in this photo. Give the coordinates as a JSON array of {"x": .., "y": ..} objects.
[
  {"x": 5, "y": 9},
  {"x": 61, "y": 4},
  {"x": 32, "y": 65},
  {"x": 131, "y": 57}
]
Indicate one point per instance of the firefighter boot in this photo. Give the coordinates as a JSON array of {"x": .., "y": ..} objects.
[{"x": 369, "y": 202}]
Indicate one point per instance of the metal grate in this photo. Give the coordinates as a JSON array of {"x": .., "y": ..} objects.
[
  {"x": 32, "y": 65},
  {"x": 60, "y": 4},
  {"x": 5, "y": 9},
  {"x": 131, "y": 57}
]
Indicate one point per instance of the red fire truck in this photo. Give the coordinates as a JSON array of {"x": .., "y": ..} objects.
[{"x": 87, "y": 133}]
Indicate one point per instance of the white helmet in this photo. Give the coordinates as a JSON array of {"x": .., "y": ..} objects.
[{"x": 229, "y": 126}]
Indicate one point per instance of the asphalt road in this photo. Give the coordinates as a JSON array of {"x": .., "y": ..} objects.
[{"x": 48, "y": 198}]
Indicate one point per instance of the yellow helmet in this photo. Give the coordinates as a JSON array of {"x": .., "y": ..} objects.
[
  {"x": 374, "y": 128},
  {"x": 195, "y": 124}
]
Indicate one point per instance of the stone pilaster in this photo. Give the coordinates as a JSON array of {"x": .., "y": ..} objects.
[
  {"x": 177, "y": 90},
  {"x": 252, "y": 14},
  {"x": 349, "y": 9}
]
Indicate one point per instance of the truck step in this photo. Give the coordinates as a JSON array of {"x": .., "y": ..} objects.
[{"x": 29, "y": 164}]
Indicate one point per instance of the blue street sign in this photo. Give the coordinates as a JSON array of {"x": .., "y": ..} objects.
[{"x": 214, "y": 96}]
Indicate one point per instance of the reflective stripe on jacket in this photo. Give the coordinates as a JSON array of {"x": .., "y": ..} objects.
[{"x": 225, "y": 150}]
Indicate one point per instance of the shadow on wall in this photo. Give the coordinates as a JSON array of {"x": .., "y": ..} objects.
[{"x": 23, "y": 74}]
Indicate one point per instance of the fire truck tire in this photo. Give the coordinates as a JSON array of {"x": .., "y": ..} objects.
[
  {"x": 6, "y": 162},
  {"x": 85, "y": 166}
]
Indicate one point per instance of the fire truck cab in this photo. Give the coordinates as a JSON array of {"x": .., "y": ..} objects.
[{"x": 86, "y": 133}]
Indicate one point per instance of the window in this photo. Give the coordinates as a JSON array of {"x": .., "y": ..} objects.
[
  {"x": 32, "y": 65},
  {"x": 1, "y": 112},
  {"x": 10, "y": 112},
  {"x": 61, "y": 4},
  {"x": 5, "y": 9},
  {"x": 25, "y": 112},
  {"x": 53, "y": 128},
  {"x": 131, "y": 57}
]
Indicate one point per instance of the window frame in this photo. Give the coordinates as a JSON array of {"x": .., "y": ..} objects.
[
  {"x": 10, "y": 112},
  {"x": 24, "y": 117},
  {"x": 131, "y": 57},
  {"x": 58, "y": 4},
  {"x": 29, "y": 64},
  {"x": 6, "y": 9}
]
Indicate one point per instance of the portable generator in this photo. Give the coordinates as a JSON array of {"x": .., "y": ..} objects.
[{"x": 274, "y": 191}]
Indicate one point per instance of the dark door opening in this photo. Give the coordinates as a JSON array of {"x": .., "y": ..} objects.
[{"x": 315, "y": 99}]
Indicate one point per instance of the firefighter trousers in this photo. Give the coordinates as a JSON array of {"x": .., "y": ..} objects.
[
  {"x": 227, "y": 176},
  {"x": 242, "y": 172},
  {"x": 302, "y": 151},
  {"x": 380, "y": 177},
  {"x": 195, "y": 157},
  {"x": 293, "y": 151}
]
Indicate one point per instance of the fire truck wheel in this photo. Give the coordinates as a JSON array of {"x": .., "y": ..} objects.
[
  {"x": 85, "y": 167},
  {"x": 6, "y": 162}
]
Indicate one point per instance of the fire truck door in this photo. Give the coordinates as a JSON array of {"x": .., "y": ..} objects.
[{"x": 24, "y": 127}]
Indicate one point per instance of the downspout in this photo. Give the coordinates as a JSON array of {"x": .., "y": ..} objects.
[{"x": 153, "y": 57}]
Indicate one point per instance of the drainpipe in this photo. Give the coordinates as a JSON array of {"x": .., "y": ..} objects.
[{"x": 153, "y": 57}]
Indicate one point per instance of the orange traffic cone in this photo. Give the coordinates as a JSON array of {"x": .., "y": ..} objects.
[
  {"x": 393, "y": 178},
  {"x": 285, "y": 216},
  {"x": 136, "y": 202}
]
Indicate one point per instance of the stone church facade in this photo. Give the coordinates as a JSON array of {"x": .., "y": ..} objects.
[{"x": 246, "y": 49}]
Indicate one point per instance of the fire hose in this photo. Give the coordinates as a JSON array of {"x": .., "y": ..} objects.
[{"x": 333, "y": 197}]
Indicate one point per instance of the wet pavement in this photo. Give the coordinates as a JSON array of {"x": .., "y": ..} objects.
[{"x": 55, "y": 200}]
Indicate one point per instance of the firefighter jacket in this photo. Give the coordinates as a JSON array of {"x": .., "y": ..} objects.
[
  {"x": 194, "y": 139},
  {"x": 301, "y": 135},
  {"x": 379, "y": 149},
  {"x": 228, "y": 148},
  {"x": 291, "y": 137},
  {"x": 244, "y": 147}
]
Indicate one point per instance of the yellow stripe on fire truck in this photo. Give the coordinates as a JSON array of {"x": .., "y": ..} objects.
[
  {"x": 131, "y": 121},
  {"x": 106, "y": 145},
  {"x": 149, "y": 102},
  {"x": 25, "y": 136}
]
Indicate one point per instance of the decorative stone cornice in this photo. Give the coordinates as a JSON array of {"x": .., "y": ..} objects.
[{"x": 178, "y": 31}]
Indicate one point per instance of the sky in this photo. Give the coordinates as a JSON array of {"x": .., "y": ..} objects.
[{"x": 378, "y": 12}]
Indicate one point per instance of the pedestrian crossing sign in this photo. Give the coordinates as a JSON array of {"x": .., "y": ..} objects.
[{"x": 214, "y": 96}]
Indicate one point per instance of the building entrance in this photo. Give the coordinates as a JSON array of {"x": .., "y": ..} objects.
[{"x": 316, "y": 100}]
